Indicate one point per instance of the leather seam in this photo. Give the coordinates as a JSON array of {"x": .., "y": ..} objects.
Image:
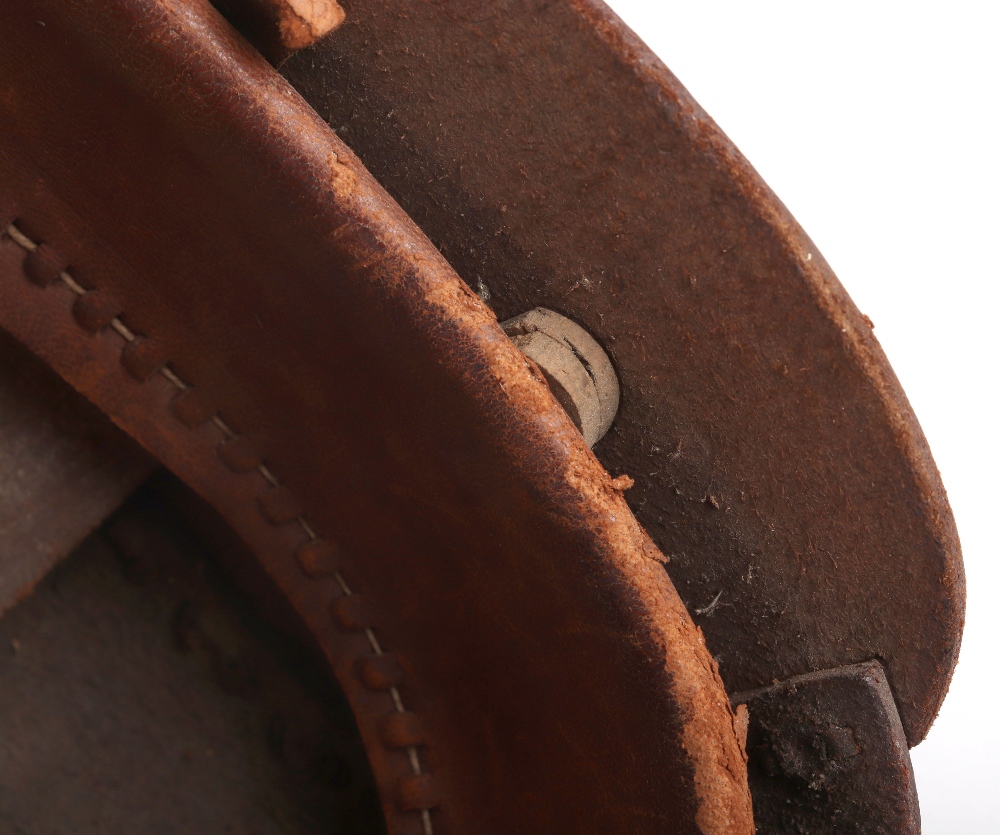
[{"x": 419, "y": 774}]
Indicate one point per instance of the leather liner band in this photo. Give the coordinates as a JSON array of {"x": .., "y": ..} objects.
[
  {"x": 531, "y": 624},
  {"x": 317, "y": 559}
]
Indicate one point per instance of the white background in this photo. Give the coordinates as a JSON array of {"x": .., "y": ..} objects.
[{"x": 876, "y": 123}]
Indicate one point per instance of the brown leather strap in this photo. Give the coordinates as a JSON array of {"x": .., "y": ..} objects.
[
  {"x": 267, "y": 285},
  {"x": 558, "y": 163}
]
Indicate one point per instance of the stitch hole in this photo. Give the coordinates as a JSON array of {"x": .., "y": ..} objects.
[
  {"x": 18, "y": 237},
  {"x": 29, "y": 229}
]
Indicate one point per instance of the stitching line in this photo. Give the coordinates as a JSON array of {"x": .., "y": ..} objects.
[{"x": 128, "y": 335}]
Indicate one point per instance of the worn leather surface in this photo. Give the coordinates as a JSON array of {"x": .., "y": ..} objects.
[
  {"x": 556, "y": 162},
  {"x": 828, "y": 755},
  {"x": 279, "y": 27},
  {"x": 561, "y": 683}
]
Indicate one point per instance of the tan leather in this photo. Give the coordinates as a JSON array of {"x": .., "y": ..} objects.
[
  {"x": 207, "y": 219},
  {"x": 280, "y": 27}
]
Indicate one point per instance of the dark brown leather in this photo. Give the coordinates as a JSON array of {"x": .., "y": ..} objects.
[
  {"x": 559, "y": 682},
  {"x": 558, "y": 163},
  {"x": 828, "y": 755}
]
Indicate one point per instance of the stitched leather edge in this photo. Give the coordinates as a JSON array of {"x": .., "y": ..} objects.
[{"x": 141, "y": 357}]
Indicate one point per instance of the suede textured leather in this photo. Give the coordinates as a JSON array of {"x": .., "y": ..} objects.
[{"x": 557, "y": 163}]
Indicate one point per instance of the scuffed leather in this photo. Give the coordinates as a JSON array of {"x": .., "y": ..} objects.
[{"x": 561, "y": 682}]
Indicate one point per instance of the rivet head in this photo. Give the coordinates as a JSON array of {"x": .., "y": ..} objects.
[{"x": 575, "y": 366}]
